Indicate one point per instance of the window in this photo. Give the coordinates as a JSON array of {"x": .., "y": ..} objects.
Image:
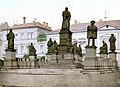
[
  {"x": 1, "y": 36},
  {"x": 41, "y": 48},
  {"x": 29, "y": 35},
  {"x": 22, "y": 49},
  {"x": 16, "y": 36},
  {"x": 32, "y": 35},
  {"x": 22, "y": 35}
]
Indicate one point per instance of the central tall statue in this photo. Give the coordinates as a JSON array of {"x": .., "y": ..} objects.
[
  {"x": 66, "y": 19},
  {"x": 92, "y": 33}
]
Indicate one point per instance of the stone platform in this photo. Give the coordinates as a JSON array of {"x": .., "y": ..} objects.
[{"x": 57, "y": 78}]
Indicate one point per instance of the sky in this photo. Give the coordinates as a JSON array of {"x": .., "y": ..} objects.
[{"x": 50, "y": 11}]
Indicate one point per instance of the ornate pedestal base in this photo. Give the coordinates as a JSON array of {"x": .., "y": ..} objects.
[
  {"x": 32, "y": 60},
  {"x": 105, "y": 61},
  {"x": 10, "y": 61},
  {"x": 112, "y": 56},
  {"x": 103, "y": 56},
  {"x": 90, "y": 61}
]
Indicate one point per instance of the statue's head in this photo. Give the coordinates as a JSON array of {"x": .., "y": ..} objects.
[
  {"x": 92, "y": 22},
  {"x": 112, "y": 35},
  {"x": 103, "y": 41},
  {"x": 31, "y": 43},
  {"x": 66, "y": 9},
  {"x": 10, "y": 30}
]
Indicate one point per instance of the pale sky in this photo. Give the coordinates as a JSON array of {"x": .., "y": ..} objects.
[{"x": 12, "y": 11}]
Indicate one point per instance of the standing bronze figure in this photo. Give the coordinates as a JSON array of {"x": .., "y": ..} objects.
[
  {"x": 112, "y": 40},
  {"x": 10, "y": 38},
  {"x": 92, "y": 33},
  {"x": 66, "y": 19}
]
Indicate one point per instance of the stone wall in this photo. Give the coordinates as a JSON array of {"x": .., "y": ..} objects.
[{"x": 57, "y": 78}]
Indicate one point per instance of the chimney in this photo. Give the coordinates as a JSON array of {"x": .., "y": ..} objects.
[
  {"x": 24, "y": 20},
  {"x": 46, "y": 25},
  {"x": 75, "y": 21}
]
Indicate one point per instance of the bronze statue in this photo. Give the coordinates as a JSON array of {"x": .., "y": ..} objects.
[
  {"x": 10, "y": 38},
  {"x": 92, "y": 33},
  {"x": 75, "y": 48},
  {"x": 49, "y": 44},
  {"x": 55, "y": 47},
  {"x": 79, "y": 50},
  {"x": 32, "y": 50},
  {"x": 66, "y": 19},
  {"x": 112, "y": 40},
  {"x": 104, "y": 48}
]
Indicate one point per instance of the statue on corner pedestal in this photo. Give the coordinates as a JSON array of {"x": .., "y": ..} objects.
[
  {"x": 10, "y": 38},
  {"x": 92, "y": 33},
  {"x": 66, "y": 19},
  {"x": 80, "y": 50},
  {"x": 104, "y": 48},
  {"x": 112, "y": 40},
  {"x": 55, "y": 47},
  {"x": 49, "y": 44},
  {"x": 32, "y": 50}
]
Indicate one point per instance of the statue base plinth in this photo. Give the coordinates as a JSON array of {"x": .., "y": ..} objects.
[
  {"x": 90, "y": 51},
  {"x": 32, "y": 60},
  {"x": 104, "y": 56},
  {"x": 90, "y": 61},
  {"x": 10, "y": 61},
  {"x": 113, "y": 63}
]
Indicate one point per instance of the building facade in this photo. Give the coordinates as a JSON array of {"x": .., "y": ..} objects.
[{"x": 25, "y": 34}]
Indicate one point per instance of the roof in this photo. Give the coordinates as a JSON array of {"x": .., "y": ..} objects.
[
  {"x": 83, "y": 26},
  {"x": 4, "y": 26},
  {"x": 31, "y": 25}
]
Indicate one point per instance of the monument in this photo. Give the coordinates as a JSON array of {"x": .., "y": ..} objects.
[
  {"x": 65, "y": 33},
  {"x": 90, "y": 60},
  {"x": 64, "y": 54},
  {"x": 10, "y": 61}
]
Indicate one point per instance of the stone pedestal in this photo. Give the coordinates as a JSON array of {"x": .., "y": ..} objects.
[
  {"x": 105, "y": 64},
  {"x": 32, "y": 60},
  {"x": 54, "y": 56},
  {"x": 90, "y": 61},
  {"x": 49, "y": 57},
  {"x": 10, "y": 61},
  {"x": 90, "y": 51},
  {"x": 112, "y": 56},
  {"x": 105, "y": 60},
  {"x": 104, "y": 56},
  {"x": 65, "y": 40}
]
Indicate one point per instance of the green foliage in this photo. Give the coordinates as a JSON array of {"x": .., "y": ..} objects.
[
  {"x": 26, "y": 56},
  {"x": 41, "y": 37}
]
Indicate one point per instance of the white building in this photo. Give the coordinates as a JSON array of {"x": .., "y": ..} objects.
[
  {"x": 25, "y": 34},
  {"x": 105, "y": 29}
]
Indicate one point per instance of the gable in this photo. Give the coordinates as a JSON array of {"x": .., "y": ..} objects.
[{"x": 105, "y": 27}]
